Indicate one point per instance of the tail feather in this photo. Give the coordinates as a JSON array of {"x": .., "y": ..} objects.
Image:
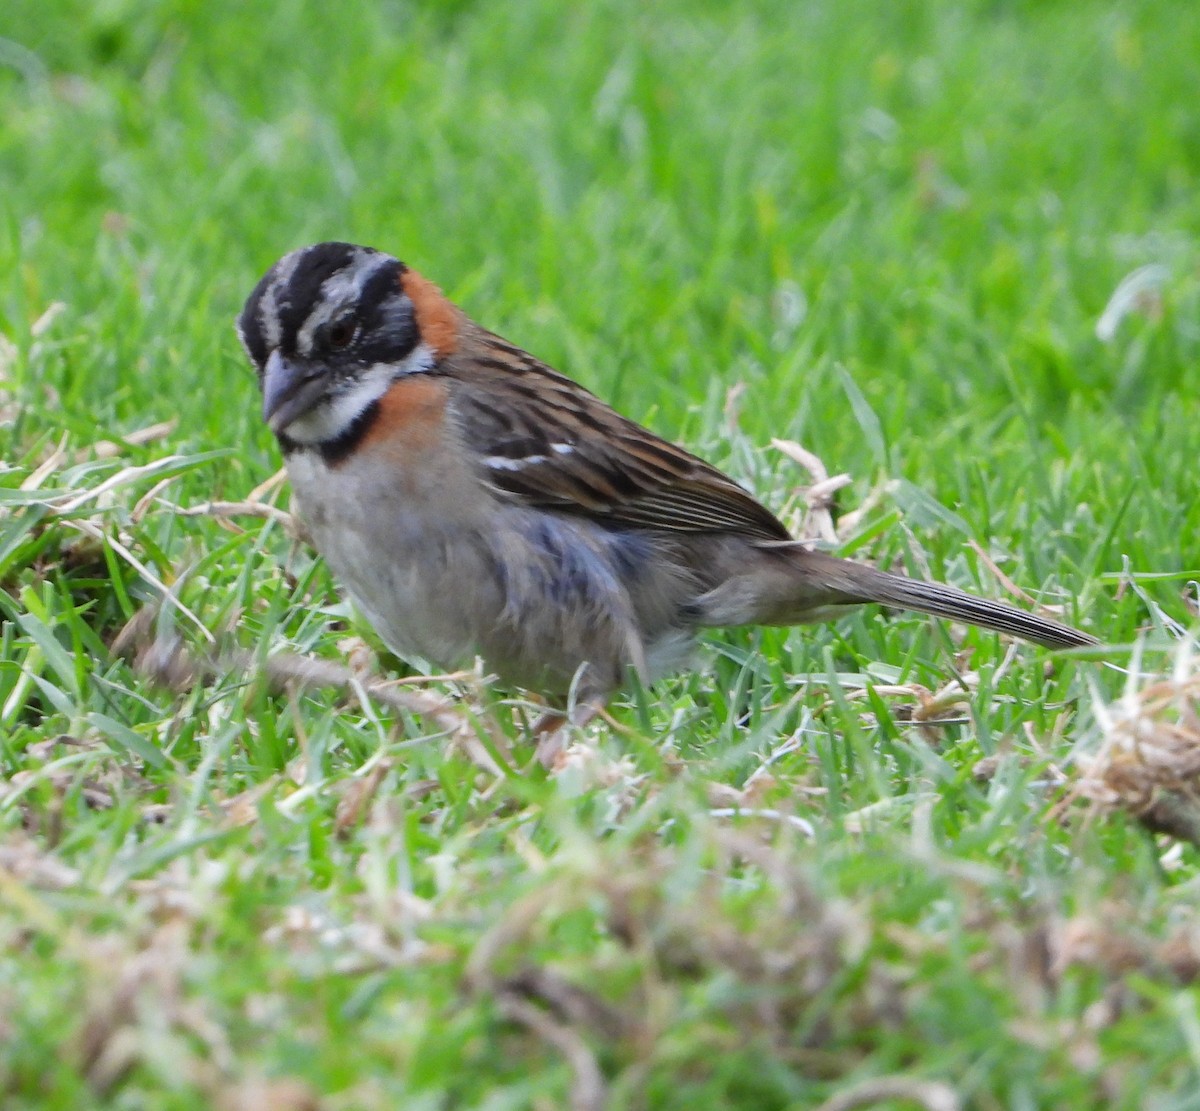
[
  {"x": 948, "y": 601},
  {"x": 816, "y": 580}
]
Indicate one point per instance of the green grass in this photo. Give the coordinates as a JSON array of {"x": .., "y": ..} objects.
[{"x": 896, "y": 226}]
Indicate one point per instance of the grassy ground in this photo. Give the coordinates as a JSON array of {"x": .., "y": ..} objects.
[{"x": 791, "y": 877}]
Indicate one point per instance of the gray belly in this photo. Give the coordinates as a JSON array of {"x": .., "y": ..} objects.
[
  {"x": 407, "y": 576},
  {"x": 537, "y": 596}
]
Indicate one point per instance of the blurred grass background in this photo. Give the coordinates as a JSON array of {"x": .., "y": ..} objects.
[{"x": 897, "y": 227}]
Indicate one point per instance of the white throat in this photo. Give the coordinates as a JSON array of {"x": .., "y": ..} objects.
[{"x": 331, "y": 418}]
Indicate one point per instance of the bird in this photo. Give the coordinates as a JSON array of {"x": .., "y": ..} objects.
[{"x": 476, "y": 503}]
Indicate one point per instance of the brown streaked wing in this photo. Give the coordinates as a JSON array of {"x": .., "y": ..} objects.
[{"x": 545, "y": 440}]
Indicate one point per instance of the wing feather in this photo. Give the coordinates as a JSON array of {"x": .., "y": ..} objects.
[{"x": 546, "y": 441}]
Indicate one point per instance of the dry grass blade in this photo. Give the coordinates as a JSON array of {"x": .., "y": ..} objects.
[
  {"x": 268, "y": 486},
  {"x": 849, "y": 523},
  {"x": 1108, "y": 942},
  {"x": 168, "y": 660},
  {"x": 765, "y": 814},
  {"x": 818, "y": 518},
  {"x": 932, "y": 707},
  {"x": 226, "y": 509},
  {"x": 34, "y": 480},
  {"x": 566, "y": 1001},
  {"x": 23, "y": 860},
  {"x": 357, "y": 798},
  {"x": 444, "y": 712},
  {"x": 143, "y": 504},
  {"x": 168, "y": 596},
  {"x": 589, "y": 1092},
  {"x": 930, "y": 1094},
  {"x": 670, "y": 939},
  {"x": 551, "y": 992},
  {"x": 126, "y": 476},
  {"x": 262, "y": 1094},
  {"x": 139, "y": 437},
  {"x": 1009, "y": 585},
  {"x": 148, "y": 991},
  {"x": 548, "y": 1006},
  {"x": 46, "y": 320},
  {"x": 1148, "y": 760}
]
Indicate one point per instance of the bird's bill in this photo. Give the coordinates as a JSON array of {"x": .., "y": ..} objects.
[{"x": 289, "y": 391}]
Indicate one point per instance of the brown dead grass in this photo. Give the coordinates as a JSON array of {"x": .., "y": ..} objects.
[{"x": 1144, "y": 756}]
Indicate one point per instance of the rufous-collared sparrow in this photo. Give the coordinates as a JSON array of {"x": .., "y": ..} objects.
[{"x": 476, "y": 502}]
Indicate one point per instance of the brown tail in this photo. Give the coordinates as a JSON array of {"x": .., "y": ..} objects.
[
  {"x": 947, "y": 601},
  {"x": 860, "y": 583}
]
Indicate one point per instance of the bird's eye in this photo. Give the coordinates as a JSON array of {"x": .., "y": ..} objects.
[{"x": 341, "y": 332}]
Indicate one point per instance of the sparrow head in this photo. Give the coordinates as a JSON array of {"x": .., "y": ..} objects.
[{"x": 328, "y": 329}]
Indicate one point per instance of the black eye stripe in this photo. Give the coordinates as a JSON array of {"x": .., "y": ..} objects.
[
  {"x": 318, "y": 265},
  {"x": 303, "y": 287},
  {"x": 380, "y": 286}
]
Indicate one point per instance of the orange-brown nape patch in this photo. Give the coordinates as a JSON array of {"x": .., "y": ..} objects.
[
  {"x": 436, "y": 316},
  {"x": 411, "y": 419}
]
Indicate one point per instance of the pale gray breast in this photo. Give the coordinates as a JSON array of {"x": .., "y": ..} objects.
[
  {"x": 446, "y": 574},
  {"x": 404, "y": 556}
]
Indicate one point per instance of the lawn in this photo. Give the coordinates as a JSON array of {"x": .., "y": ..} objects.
[{"x": 948, "y": 248}]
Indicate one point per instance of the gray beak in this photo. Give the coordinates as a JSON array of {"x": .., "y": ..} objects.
[{"x": 289, "y": 391}]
